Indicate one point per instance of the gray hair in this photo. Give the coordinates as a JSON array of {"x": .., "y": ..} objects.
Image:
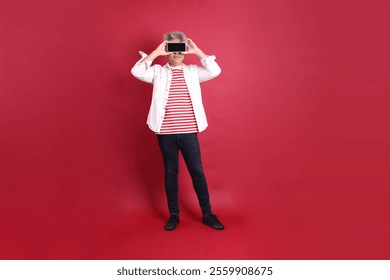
[{"x": 175, "y": 35}]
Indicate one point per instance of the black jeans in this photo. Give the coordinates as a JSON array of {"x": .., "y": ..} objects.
[{"x": 188, "y": 144}]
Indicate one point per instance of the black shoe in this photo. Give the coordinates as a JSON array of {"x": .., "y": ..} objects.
[
  {"x": 212, "y": 221},
  {"x": 173, "y": 221}
]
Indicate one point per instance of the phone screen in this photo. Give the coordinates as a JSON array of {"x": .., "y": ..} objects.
[{"x": 176, "y": 47}]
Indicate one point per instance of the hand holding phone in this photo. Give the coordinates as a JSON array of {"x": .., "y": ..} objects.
[
  {"x": 193, "y": 49},
  {"x": 161, "y": 49}
]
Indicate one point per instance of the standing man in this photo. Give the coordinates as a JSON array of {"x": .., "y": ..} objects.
[{"x": 177, "y": 116}]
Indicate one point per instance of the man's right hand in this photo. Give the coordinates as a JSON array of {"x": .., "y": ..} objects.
[{"x": 160, "y": 50}]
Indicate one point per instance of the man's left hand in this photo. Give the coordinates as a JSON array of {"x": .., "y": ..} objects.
[{"x": 192, "y": 48}]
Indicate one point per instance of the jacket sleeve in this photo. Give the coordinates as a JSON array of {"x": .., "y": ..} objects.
[
  {"x": 209, "y": 70},
  {"x": 142, "y": 70}
]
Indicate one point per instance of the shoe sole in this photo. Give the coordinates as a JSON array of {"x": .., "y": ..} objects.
[
  {"x": 170, "y": 229},
  {"x": 214, "y": 227}
]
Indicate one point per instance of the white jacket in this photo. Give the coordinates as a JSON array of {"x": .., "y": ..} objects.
[{"x": 161, "y": 76}]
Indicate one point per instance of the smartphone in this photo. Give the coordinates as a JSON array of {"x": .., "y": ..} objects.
[{"x": 176, "y": 47}]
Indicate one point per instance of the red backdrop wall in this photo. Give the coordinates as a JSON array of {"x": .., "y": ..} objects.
[{"x": 296, "y": 153}]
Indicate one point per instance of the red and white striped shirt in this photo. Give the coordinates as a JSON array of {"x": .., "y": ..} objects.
[{"x": 179, "y": 114}]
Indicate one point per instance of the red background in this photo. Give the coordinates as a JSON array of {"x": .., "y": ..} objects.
[{"x": 296, "y": 153}]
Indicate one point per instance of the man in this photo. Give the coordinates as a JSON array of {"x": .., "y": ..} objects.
[{"x": 177, "y": 115}]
